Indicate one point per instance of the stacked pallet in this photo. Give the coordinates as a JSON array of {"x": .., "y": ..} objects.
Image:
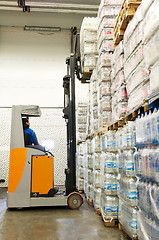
[
  {"x": 107, "y": 13},
  {"x": 127, "y": 187},
  {"x": 80, "y": 171},
  {"x": 96, "y": 160},
  {"x": 118, "y": 86},
  {"x": 93, "y": 103},
  {"x": 151, "y": 42},
  {"x": 109, "y": 199},
  {"x": 88, "y": 46},
  {"x": 136, "y": 72},
  {"x": 104, "y": 90},
  {"x": 126, "y": 13},
  {"x": 82, "y": 121}
]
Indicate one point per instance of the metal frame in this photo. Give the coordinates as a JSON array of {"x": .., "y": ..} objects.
[{"x": 73, "y": 68}]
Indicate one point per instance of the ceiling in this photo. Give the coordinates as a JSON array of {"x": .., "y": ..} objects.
[{"x": 57, "y": 6}]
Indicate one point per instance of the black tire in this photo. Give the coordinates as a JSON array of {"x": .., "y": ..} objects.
[{"x": 75, "y": 201}]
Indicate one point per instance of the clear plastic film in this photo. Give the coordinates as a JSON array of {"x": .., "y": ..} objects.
[
  {"x": 128, "y": 218},
  {"x": 138, "y": 95},
  {"x": 151, "y": 53},
  {"x": 154, "y": 78},
  {"x": 152, "y": 17},
  {"x": 97, "y": 197},
  {"x": 140, "y": 75},
  {"x": 109, "y": 205}
]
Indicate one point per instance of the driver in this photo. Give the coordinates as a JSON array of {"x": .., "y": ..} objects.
[{"x": 30, "y": 132}]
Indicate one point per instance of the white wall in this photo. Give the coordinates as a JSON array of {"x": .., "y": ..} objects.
[{"x": 32, "y": 67}]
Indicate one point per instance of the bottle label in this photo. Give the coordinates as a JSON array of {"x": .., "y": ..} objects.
[
  {"x": 111, "y": 187},
  {"x": 109, "y": 165},
  {"x": 133, "y": 224},
  {"x": 108, "y": 187},
  {"x": 129, "y": 166},
  {"x": 132, "y": 195},
  {"x": 111, "y": 209}
]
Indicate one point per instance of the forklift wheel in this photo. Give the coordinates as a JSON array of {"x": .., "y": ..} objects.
[{"x": 74, "y": 201}]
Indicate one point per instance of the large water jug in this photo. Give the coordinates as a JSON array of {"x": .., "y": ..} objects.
[
  {"x": 111, "y": 206},
  {"x": 110, "y": 184},
  {"x": 129, "y": 163}
]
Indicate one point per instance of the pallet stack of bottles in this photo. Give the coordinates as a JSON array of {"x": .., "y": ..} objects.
[
  {"x": 96, "y": 160},
  {"x": 82, "y": 121},
  {"x": 127, "y": 181},
  {"x": 118, "y": 86},
  {"x": 80, "y": 167},
  {"x": 108, "y": 10},
  {"x": 93, "y": 103},
  {"x": 109, "y": 198},
  {"x": 147, "y": 170},
  {"x": 89, "y": 172},
  {"x": 107, "y": 13},
  {"x": 151, "y": 41},
  {"x": 104, "y": 90},
  {"x": 88, "y": 43},
  {"x": 136, "y": 72}
]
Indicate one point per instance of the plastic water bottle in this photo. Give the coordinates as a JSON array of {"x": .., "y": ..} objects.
[
  {"x": 81, "y": 172},
  {"x": 129, "y": 163},
  {"x": 111, "y": 206},
  {"x": 140, "y": 194},
  {"x": 131, "y": 190},
  {"x": 96, "y": 144},
  {"x": 110, "y": 184},
  {"x": 137, "y": 163},
  {"x": 151, "y": 171},
  {"x": 97, "y": 179},
  {"x": 157, "y": 165},
  {"x": 97, "y": 197},
  {"x": 155, "y": 197},
  {"x": 104, "y": 143},
  {"x": 89, "y": 162},
  {"x": 96, "y": 161},
  {"x": 111, "y": 141},
  {"x": 154, "y": 126},
  {"x": 133, "y": 221},
  {"x": 139, "y": 130},
  {"x": 90, "y": 191},
  {"x": 158, "y": 126},
  {"x": 130, "y": 137},
  {"x": 120, "y": 162},
  {"x": 154, "y": 234},
  {"x": 90, "y": 176},
  {"x": 144, "y": 157},
  {"x": 110, "y": 163},
  {"x": 147, "y": 127},
  {"x": 89, "y": 146}
]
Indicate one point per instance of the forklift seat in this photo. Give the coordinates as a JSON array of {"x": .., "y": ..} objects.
[{"x": 26, "y": 139}]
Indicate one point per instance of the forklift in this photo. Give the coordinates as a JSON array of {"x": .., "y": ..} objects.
[{"x": 31, "y": 168}]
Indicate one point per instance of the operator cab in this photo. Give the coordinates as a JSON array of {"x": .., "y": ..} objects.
[{"x": 31, "y": 169}]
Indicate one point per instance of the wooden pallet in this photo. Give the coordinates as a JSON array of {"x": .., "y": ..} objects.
[
  {"x": 109, "y": 222},
  {"x": 90, "y": 202},
  {"x": 86, "y": 75},
  {"x": 126, "y": 13},
  {"x": 128, "y": 117},
  {"x": 98, "y": 211},
  {"x": 121, "y": 228}
]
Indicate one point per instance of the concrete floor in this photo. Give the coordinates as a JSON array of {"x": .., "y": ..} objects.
[{"x": 53, "y": 223}]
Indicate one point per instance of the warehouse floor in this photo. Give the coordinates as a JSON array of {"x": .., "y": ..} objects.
[{"x": 53, "y": 223}]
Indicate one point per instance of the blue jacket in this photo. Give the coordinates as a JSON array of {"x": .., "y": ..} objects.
[{"x": 32, "y": 135}]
